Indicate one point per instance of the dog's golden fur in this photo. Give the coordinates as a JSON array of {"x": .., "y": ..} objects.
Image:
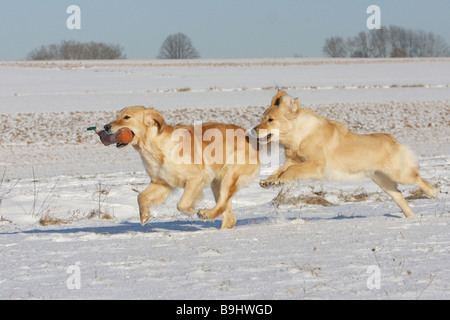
[
  {"x": 318, "y": 148},
  {"x": 153, "y": 140}
]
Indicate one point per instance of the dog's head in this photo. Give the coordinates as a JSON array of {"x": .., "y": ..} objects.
[
  {"x": 277, "y": 120},
  {"x": 140, "y": 120}
]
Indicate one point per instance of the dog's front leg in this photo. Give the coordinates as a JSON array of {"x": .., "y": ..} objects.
[
  {"x": 155, "y": 194},
  {"x": 273, "y": 179},
  {"x": 302, "y": 171},
  {"x": 308, "y": 170}
]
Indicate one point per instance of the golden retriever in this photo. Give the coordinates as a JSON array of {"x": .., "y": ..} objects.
[
  {"x": 189, "y": 157},
  {"x": 318, "y": 148}
]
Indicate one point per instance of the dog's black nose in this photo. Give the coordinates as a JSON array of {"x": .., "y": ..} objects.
[{"x": 107, "y": 127}]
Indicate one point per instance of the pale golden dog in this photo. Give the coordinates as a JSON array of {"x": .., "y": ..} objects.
[
  {"x": 318, "y": 148},
  {"x": 206, "y": 155}
]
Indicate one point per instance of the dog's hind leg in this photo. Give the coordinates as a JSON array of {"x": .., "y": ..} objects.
[
  {"x": 223, "y": 191},
  {"x": 405, "y": 171},
  {"x": 192, "y": 192},
  {"x": 228, "y": 217},
  {"x": 425, "y": 186},
  {"x": 412, "y": 177},
  {"x": 390, "y": 187},
  {"x": 154, "y": 194}
]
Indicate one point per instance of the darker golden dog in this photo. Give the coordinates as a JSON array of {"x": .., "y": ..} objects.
[{"x": 189, "y": 157}]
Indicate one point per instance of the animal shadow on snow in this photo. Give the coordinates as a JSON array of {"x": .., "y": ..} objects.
[
  {"x": 180, "y": 225},
  {"x": 153, "y": 227}
]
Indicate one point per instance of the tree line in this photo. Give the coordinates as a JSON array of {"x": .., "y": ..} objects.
[
  {"x": 74, "y": 50},
  {"x": 392, "y": 41},
  {"x": 176, "y": 46}
]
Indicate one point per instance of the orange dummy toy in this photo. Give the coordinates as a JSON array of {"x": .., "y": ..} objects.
[{"x": 121, "y": 138}]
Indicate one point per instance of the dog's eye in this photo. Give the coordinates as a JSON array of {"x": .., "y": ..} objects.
[
  {"x": 270, "y": 120},
  {"x": 127, "y": 117}
]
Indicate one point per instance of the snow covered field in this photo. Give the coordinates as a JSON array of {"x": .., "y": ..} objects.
[{"x": 68, "y": 209}]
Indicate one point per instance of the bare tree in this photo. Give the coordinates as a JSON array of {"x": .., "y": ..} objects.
[
  {"x": 178, "y": 46},
  {"x": 408, "y": 43},
  {"x": 378, "y": 42},
  {"x": 358, "y": 46},
  {"x": 50, "y": 52},
  {"x": 431, "y": 45},
  {"x": 392, "y": 41},
  {"x": 73, "y": 50},
  {"x": 399, "y": 42},
  {"x": 335, "y": 47}
]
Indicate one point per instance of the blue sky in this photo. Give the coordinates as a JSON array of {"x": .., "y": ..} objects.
[{"x": 218, "y": 28}]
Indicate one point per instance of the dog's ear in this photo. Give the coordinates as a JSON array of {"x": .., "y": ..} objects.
[
  {"x": 152, "y": 117},
  {"x": 276, "y": 98},
  {"x": 296, "y": 106},
  {"x": 289, "y": 106}
]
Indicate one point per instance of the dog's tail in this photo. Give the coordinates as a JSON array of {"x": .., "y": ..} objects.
[{"x": 407, "y": 159}]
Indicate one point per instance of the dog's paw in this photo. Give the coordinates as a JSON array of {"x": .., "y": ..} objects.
[
  {"x": 189, "y": 211},
  {"x": 202, "y": 214},
  {"x": 264, "y": 183},
  {"x": 271, "y": 183},
  {"x": 205, "y": 214},
  {"x": 145, "y": 217}
]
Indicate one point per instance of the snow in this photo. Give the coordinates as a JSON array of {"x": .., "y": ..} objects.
[{"x": 283, "y": 247}]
